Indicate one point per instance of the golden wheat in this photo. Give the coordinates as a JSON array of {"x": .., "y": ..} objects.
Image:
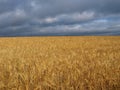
[{"x": 60, "y": 63}]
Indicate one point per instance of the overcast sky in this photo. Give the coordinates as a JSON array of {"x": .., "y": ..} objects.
[{"x": 59, "y": 17}]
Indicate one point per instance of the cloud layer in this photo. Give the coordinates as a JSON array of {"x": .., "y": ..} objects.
[{"x": 59, "y": 17}]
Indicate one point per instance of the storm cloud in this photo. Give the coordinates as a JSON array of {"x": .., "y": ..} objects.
[{"x": 59, "y": 17}]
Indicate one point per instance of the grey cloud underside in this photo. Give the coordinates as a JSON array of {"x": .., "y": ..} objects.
[{"x": 59, "y": 17}]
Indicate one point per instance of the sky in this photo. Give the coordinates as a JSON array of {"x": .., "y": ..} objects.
[{"x": 59, "y": 17}]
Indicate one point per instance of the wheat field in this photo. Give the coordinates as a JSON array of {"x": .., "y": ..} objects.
[{"x": 60, "y": 63}]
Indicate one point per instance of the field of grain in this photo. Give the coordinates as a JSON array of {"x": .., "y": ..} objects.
[{"x": 60, "y": 63}]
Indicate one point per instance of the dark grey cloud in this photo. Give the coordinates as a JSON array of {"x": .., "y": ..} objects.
[{"x": 59, "y": 17}]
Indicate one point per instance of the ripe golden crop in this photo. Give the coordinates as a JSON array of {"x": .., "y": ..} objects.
[{"x": 60, "y": 63}]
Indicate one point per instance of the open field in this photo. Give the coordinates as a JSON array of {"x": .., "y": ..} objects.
[{"x": 60, "y": 63}]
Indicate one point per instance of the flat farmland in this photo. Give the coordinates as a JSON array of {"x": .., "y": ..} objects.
[{"x": 60, "y": 63}]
